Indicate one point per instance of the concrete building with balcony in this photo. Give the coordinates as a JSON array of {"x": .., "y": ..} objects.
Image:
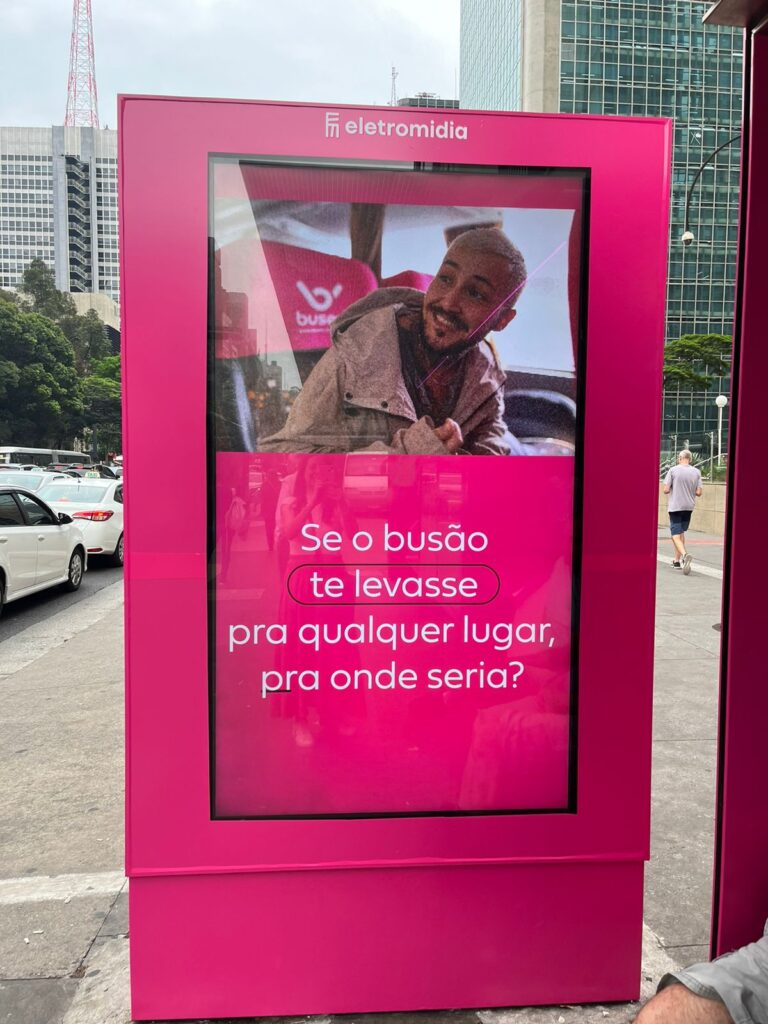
[{"x": 58, "y": 203}]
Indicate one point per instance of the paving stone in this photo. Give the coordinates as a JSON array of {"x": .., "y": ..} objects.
[
  {"x": 43, "y": 1001},
  {"x": 59, "y": 936}
]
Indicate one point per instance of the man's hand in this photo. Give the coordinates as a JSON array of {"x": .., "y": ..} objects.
[{"x": 450, "y": 434}]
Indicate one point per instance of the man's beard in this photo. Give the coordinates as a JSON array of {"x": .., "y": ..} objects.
[{"x": 455, "y": 324}]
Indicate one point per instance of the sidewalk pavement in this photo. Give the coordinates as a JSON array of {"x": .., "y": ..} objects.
[{"x": 63, "y": 923}]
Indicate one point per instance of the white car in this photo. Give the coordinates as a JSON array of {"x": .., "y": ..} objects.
[
  {"x": 38, "y": 548},
  {"x": 31, "y": 480},
  {"x": 96, "y": 505}
]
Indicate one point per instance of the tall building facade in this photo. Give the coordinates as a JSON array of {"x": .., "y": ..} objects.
[
  {"x": 491, "y": 55},
  {"x": 639, "y": 58},
  {"x": 58, "y": 203}
]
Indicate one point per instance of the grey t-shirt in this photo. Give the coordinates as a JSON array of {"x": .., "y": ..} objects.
[{"x": 684, "y": 481}]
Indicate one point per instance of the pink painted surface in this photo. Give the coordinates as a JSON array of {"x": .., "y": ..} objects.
[
  {"x": 170, "y": 831},
  {"x": 339, "y": 282},
  {"x": 479, "y": 722},
  {"x": 741, "y": 876},
  {"x": 385, "y": 939},
  {"x": 408, "y": 279}
]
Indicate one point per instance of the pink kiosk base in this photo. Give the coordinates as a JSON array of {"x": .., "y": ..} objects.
[
  {"x": 253, "y": 917},
  {"x": 415, "y": 938}
]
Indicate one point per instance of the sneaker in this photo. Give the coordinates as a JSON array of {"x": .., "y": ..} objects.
[
  {"x": 687, "y": 559},
  {"x": 676, "y": 565}
]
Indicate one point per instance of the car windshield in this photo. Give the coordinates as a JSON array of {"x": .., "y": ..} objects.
[
  {"x": 29, "y": 480},
  {"x": 90, "y": 492}
]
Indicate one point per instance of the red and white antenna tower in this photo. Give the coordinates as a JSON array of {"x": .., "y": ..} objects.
[{"x": 82, "y": 102}]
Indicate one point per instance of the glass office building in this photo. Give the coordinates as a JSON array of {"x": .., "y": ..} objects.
[
  {"x": 58, "y": 203},
  {"x": 491, "y": 53},
  {"x": 640, "y": 58}
]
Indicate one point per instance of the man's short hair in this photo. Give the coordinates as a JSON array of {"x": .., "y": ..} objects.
[
  {"x": 685, "y": 454},
  {"x": 493, "y": 242}
]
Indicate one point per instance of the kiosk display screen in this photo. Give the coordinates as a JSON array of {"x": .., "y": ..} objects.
[{"x": 396, "y": 365}]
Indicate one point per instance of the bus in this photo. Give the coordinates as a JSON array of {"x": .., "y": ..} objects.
[{"x": 42, "y": 456}]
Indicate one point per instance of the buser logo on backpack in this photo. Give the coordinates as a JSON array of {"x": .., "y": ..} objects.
[{"x": 402, "y": 129}]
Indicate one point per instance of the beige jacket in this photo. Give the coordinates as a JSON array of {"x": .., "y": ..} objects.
[{"x": 355, "y": 399}]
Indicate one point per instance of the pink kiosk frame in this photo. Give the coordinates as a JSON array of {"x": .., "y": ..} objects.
[
  {"x": 263, "y": 917},
  {"x": 740, "y": 893}
]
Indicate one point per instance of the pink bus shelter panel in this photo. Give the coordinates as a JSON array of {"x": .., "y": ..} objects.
[
  {"x": 741, "y": 868},
  {"x": 242, "y": 917},
  {"x": 407, "y": 939}
]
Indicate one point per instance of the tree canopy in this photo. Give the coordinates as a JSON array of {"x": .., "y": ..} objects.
[
  {"x": 40, "y": 391},
  {"x": 58, "y": 377},
  {"x": 694, "y": 360},
  {"x": 102, "y": 400},
  {"x": 39, "y": 284},
  {"x": 85, "y": 332}
]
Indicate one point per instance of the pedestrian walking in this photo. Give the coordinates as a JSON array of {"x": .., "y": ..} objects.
[{"x": 682, "y": 485}]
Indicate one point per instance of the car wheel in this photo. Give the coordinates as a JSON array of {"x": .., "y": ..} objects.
[
  {"x": 117, "y": 556},
  {"x": 75, "y": 571},
  {"x": 2, "y": 594}
]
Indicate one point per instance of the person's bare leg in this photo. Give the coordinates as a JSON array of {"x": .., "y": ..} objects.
[
  {"x": 678, "y": 1005},
  {"x": 679, "y": 544}
]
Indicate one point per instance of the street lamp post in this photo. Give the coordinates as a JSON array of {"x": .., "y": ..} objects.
[
  {"x": 721, "y": 401},
  {"x": 688, "y": 236},
  {"x": 711, "y": 454}
]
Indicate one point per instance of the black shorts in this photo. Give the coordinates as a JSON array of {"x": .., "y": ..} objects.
[{"x": 679, "y": 521}]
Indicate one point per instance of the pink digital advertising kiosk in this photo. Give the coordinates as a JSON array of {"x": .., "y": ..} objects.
[{"x": 390, "y": 619}]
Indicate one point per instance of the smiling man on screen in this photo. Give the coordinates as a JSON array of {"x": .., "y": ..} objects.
[{"x": 412, "y": 373}]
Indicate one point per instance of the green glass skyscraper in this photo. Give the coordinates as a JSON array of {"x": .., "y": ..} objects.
[{"x": 640, "y": 58}]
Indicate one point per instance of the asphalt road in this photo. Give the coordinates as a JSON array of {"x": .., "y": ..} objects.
[{"x": 29, "y": 610}]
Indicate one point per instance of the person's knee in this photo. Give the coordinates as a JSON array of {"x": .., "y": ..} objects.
[{"x": 678, "y": 1005}]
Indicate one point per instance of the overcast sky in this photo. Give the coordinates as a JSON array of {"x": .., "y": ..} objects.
[{"x": 336, "y": 51}]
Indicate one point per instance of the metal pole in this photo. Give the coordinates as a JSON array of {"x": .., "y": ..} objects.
[
  {"x": 711, "y": 455},
  {"x": 719, "y": 435}
]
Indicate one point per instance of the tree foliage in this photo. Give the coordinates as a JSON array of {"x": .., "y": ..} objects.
[
  {"x": 88, "y": 337},
  {"x": 40, "y": 392},
  {"x": 39, "y": 284},
  {"x": 108, "y": 367},
  {"x": 693, "y": 361},
  {"x": 102, "y": 401},
  {"x": 58, "y": 378},
  {"x": 85, "y": 332}
]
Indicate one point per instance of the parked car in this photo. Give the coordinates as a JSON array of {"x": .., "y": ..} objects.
[
  {"x": 38, "y": 548},
  {"x": 95, "y": 471},
  {"x": 98, "y": 506},
  {"x": 31, "y": 481}
]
